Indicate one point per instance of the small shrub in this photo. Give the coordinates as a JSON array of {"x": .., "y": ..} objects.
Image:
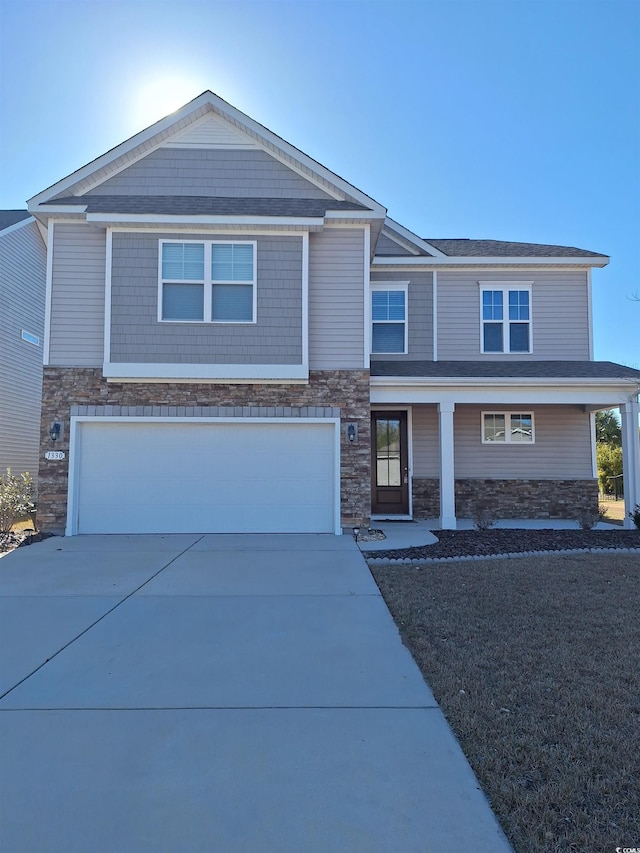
[
  {"x": 16, "y": 499},
  {"x": 484, "y": 519},
  {"x": 635, "y": 516},
  {"x": 589, "y": 519}
]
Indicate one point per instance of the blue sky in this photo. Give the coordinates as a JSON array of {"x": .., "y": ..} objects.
[{"x": 510, "y": 120}]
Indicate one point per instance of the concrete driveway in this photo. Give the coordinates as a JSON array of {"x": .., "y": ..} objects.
[{"x": 218, "y": 693}]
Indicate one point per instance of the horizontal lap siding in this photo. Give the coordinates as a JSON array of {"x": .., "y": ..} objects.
[
  {"x": 336, "y": 299},
  {"x": 426, "y": 441},
  {"x": 22, "y": 293},
  {"x": 77, "y": 297},
  {"x": 562, "y": 448},
  {"x": 420, "y": 313},
  {"x": 560, "y": 317},
  {"x": 137, "y": 336},
  {"x": 209, "y": 172},
  {"x": 386, "y": 246}
]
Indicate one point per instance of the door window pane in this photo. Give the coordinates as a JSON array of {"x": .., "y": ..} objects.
[{"x": 388, "y": 452}]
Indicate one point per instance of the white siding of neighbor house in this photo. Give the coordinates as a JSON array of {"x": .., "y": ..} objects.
[
  {"x": 77, "y": 296},
  {"x": 559, "y": 314},
  {"x": 419, "y": 314},
  {"x": 336, "y": 299},
  {"x": 562, "y": 448},
  {"x": 22, "y": 298}
]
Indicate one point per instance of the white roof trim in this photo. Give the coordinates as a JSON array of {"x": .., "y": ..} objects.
[
  {"x": 505, "y": 381},
  {"x": 412, "y": 239},
  {"x": 202, "y": 219},
  {"x": 206, "y": 102}
]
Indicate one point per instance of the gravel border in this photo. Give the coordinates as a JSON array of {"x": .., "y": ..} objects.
[{"x": 507, "y": 543}]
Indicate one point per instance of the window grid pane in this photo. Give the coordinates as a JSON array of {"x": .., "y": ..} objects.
[
  {"x": 492, "y": 305},
  {"x": 387, "y": 305},
  {"x": 518, "y": 337},
  {"x": 183, "y": 261},
  {"x": 493, "y": 337},
  {"x": 183, "y": 302},
  {"x": 494, "y": 428},
  {"x": 232, "y": 302},
  {"x": 232, "y": 262},
  {"x": 518, "y": 305},
  {"x": 521, "y": 428},
  {"x": 387, "y": 337}
]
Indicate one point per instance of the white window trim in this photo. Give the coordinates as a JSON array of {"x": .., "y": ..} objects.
[
  {"x": 507, "y": 428},
  {"x": 505, "y": 287},
  {"x": 391, "y": 285},
  {"x": 208, "y": 283}
]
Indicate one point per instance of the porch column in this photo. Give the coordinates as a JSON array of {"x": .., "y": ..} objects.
[
  {"x": 630, "y": 458},
  {"x": 447, "y": 477}
]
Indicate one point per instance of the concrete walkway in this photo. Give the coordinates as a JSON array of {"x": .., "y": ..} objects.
[{"x": 218, "y": 693}]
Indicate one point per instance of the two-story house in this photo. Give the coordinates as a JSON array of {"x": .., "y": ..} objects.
[{"x": 238, "y": 340}]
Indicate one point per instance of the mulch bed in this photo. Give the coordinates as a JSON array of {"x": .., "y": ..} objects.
[
  {"x": 16, "y": 539},
  {"x": 471, "y": 543}
]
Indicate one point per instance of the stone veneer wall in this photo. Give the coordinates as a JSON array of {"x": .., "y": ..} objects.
[
  {"x": 347, "y": 390},
  {"x": 510, "y": 498}
]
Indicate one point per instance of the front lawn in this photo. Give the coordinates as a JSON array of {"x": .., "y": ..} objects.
[{"x": 536, "y": 664}]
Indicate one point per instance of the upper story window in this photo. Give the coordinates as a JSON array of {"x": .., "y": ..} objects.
[
  {"x": 507, "y": 428},
  {"x": 505, "y": 317},
  {"x": 210, "y": 282},
  {"x": 389, "y": 318}
]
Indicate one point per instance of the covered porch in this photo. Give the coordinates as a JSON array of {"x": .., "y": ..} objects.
[{"x": 514, "y": 438}]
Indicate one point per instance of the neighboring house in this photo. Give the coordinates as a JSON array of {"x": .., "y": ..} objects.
[
  {"x": 239, "y": 340},
  {"x": 23, "y": 260}
]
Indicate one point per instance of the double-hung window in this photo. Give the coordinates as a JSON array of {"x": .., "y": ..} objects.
[
  {"x": 505, "y": 317},
  {"x": 507, "y": 428},
  {"x": 389, "y": 318},
  {"x": 207, "y": 282}
]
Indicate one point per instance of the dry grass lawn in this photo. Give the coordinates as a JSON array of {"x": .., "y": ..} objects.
[
  {"x": 615, "y": 511},
  {"x": 535, "y": 662}
]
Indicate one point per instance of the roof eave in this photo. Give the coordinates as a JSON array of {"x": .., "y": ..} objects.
[{"x": 527, "y": 260}]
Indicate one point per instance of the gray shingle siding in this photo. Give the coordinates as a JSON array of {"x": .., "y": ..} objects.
[
  {"x": 209, "y": 172},
  {"x": 137, "y": 336}
]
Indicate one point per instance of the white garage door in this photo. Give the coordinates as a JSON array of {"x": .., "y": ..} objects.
[{"x": 240, "y": 477}]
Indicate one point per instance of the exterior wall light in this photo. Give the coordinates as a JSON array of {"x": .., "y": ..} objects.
[
  {"x": 54, "y": 431},
  {"x": 352, "y": 433}
]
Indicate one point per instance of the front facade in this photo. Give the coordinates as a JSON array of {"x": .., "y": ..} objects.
[{"x": 237, "y": 340}]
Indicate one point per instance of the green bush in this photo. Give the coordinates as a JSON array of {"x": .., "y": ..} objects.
[
  {"x": 16, "y": 499},
  {"x": 609, "y": 460}
]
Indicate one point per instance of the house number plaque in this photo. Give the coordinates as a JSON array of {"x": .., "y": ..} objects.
[{"x": 54, "y": 454}]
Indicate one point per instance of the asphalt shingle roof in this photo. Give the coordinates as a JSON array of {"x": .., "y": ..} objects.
[
  {"x": 204, "y": 205},
  {"x": 505, "y": 369},
  {"x": 10, "y": 217},
  {"x": 460, "y": 248}
]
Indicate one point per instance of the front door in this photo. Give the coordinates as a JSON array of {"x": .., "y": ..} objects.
[{"x": 389, "y": 464}]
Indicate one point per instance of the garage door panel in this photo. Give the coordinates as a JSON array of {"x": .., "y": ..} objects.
[{"x": 149, "y": 477}]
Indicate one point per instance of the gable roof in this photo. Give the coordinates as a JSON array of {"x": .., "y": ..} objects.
[
  {"x": 138, "y": 146},
  {"x": 462, "y": 247},
  {"x": 12, "y": 217}
]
